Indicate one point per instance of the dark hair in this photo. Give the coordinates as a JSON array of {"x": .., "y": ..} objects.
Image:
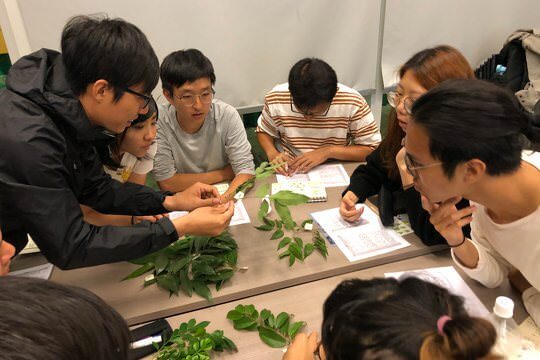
[
  {"x": 109, "y": 149},
  {"x": 398, "y": 320},
  {"x": 474, "y": 119},
  {"x": 40, "y": 319},
  {"x": 95, "y": 48},
  {"x": 312, "y": 81},
  {"x": 184, "y": 66},
  {"x": 429, "y": 67}
]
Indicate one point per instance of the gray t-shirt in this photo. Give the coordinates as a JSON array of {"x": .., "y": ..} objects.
[{"x": 221, "y": 140}]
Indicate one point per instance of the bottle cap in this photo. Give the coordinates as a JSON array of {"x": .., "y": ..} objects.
[{"x": 504, "y": 307}]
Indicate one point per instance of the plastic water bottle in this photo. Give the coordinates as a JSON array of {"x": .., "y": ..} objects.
[{"x": 508, "y": 337}]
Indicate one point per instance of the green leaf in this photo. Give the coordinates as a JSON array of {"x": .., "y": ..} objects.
[
  {"x": 185, "y": 282},
  {"x": 263, "y": 210},
  {"x": 265, "y": 314},
  {"x": 292, "y": 259},
  {"x": 277, "y": 235},
  {"x": 296, "y": 251},
  {"x": 201, "y": 289},
  {"x": 294, "y": 328},
  {"x": 201, "y": 268},
  {"x": 284, "y": 214},
  {"x": 245, "y": 323},
  {"x": 262, "y": 191},
  {"x": 272, "y": 337},
  {"x": 168, "y": 282},
  {"x": 265, "y": 227},
  {"x": 281, "y": 319},
  {"x": 161, "y": 263},
  {"x": 284, "y": 242},
  {"x": 284, "y": 254},
  {"x": 142, "y": 270},
  {"x": 175, "y": 265},
  {"x": 279, "y": 224},
  {"x": 234, "y": 315},
  {"x": 308, "y": 249},
  {"x": 287, "y": 197},
  {"x": 298, "y": 241}
]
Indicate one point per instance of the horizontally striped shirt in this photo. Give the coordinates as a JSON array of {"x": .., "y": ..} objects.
[{"x": 348, "y": 121}]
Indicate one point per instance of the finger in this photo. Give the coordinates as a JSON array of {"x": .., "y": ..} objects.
[
  {"x": 207, "y": 202},
  {"x": 427, "y": 205},
  {"x": 348, "y": 201},
  {"x": 457, "y": 216},
  {"x": 281, "y": 170},
  {"x": 313, "y": 341},
  {"x": 452, "y": 201}
]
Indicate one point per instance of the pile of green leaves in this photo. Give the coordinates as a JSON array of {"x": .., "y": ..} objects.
[
  {"x": 275, "y": 331},
  {"x": 190, "y": 341},
  {"x": 190, "y": 264},
  {"x": 295, "y": 249}
]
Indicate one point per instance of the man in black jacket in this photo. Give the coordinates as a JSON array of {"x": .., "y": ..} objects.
[{"x": 55, "y": 105}]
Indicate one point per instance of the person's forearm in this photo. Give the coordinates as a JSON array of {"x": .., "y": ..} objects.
[
  {"x": 236, "y": 182},
  {"x": 96, "y": 218},
  {"x": 349, "y": 152},
  {"x": 267, "y": 144},
  {"x": 180, "y": 182},
  {"x": 467, "y": 254}
]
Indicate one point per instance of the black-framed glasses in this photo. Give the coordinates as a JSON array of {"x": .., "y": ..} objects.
[
  {"x": 394, "y": 98},
  {"x": 190, "y": 99},
  {"x": 412, "y": 169},
  {"x": 146, "y": 98},
  {"x": 307, "y": 112}
]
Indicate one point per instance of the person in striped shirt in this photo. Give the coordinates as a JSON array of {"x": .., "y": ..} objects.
[{"x": 312, "y": 118}]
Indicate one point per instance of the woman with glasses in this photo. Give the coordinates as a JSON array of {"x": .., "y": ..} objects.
[
  {"x": 480, "y": 157},
  {"x": 385, "y": 172},
  {"x": 395, "y": 319}
]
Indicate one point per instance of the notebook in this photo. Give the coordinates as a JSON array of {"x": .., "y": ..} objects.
[{"x": 314, "y": 190}]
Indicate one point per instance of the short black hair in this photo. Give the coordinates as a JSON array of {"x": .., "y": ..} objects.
[
  {"x": 474, "y": 119},
  {"x": 41, "y": 319},
  {"x": 184, "y": 66},
  {"x": 312, "y": 81},
  {"x": 96, "y": 47}
]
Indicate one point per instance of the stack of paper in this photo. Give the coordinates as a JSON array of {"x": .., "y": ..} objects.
[
  {"x": 359, "y": 240},
  {"x": 330, "y": 175}
]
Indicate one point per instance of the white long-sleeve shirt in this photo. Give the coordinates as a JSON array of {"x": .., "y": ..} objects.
[{"x": 503, "y": 246}]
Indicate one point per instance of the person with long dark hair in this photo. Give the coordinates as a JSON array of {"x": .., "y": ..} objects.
[
  {"x": 394, "y": 319},
  {"x": 385, "y": 172},
  {"x": 466, "y": 139}
]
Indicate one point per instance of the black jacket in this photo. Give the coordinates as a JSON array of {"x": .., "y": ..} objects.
[
  {"x": 368, "y": 179},
  {"x": 48, "y": 167}
]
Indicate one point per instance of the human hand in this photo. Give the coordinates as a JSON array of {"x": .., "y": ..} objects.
[
  {"x": 281, "y": 158},
  {"x": 347, "y": 208},
  {"x": 447, "y": 219},
  {"x": 307, "y": 161},
  {"x": 303, "y": 347},
  {"x": 195, "y": 196},
  {"x": 210, "y": 221}
]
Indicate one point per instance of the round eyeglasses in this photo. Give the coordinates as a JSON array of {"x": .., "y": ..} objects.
[
  {"x": 394, "y": 98},
  {"x": 190, "y": 99}
]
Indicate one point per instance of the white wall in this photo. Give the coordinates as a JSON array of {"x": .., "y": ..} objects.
[
  {"x": 477, "y": 28},
  {"x": 252, "y": 44}
]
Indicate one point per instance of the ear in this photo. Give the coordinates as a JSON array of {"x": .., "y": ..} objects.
[
  {"x": 100, "y": 90},
  {"x": 474, "y": 170},
  {"x": 168, "y": 96}
]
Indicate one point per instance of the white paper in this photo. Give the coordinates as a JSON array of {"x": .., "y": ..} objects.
[
  {"x": 448, "y": 278},
  {"x": 362, "y": 239},
  {"x": 330, "y": 175},
  {"x": 240, "y": 214},
  {"x": 30, "y": 247},
  {"x": 38, "y": 272}
]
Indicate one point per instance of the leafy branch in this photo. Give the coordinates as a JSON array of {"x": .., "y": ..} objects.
[
  {"x": 190, "y": 264},
  {"x": 275, "y": 331},
  {"x": 295, "y": 247},
  {"x": 191, "y": 341}
]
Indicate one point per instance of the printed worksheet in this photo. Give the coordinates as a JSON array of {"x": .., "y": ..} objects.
[
  {"x": 450, "y": 279},
  {"x": 240, "y": 214},
  {"x": 362, "y": 239},
  {"x": 330, "y": 175}
]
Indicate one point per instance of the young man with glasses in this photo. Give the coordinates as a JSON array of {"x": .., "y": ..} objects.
[
  {"x": 199, "y": 137},
  {"x": 55, "y": 106},
  {"x": 312, "y": 119}
]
